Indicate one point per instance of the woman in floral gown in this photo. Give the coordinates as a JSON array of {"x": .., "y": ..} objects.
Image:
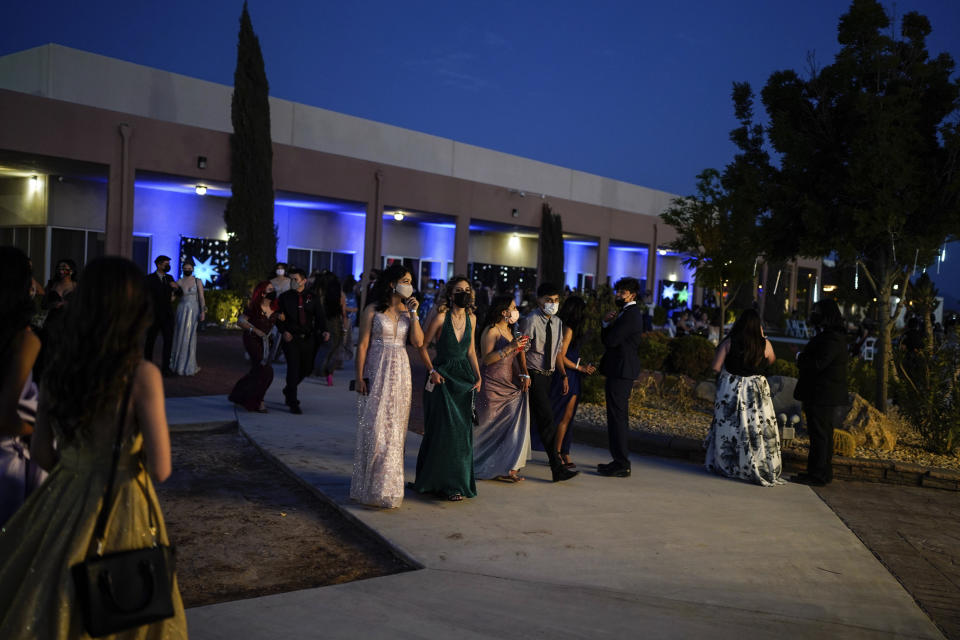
[
  {"x": 743, "y": 441},
  {"x": 384, "y": 405}
]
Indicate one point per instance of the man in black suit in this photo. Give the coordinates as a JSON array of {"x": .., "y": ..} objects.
[
  {"x": 822, "y": 388},
  {"x": 302, "y": 323},
  {"x": 621, "y": 365},
  {"x": 161, "y": 288}
]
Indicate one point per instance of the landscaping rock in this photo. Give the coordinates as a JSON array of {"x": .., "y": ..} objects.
[
  {"x": 781, "y": 391},
  {"x": 706, "y": 391},
  {"x": 869, "y": 427}
]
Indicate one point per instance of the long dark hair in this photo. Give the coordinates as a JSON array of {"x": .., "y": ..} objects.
[
  {"x": 381, "y": 294},
  {"x": 497, "y": 307},
  {"x": 253, "y": 307},
  {"x": 330, "y": 290},
  {"x": 573, "y": 315},
  {"x": 826, "y": 315},
  {"x": 746, "y": 338},
  {"x": 99, "y": 345},
  {"x": 16, "y": 307}
]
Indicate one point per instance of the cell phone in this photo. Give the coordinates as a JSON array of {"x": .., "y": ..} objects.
[
  {"x": 430, "y": 385},
  {"x": 353, "y": 384}
]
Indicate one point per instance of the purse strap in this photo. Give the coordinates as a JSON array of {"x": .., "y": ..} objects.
[{"x": 101, "y": 526}]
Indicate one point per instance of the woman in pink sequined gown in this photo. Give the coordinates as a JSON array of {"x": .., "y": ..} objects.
[{"x": 384, "y": 388}]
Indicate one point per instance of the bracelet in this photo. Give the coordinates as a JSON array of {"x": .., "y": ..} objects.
[
  {"x": 523, "y": 375},
  {"x": 433, "y": 371}
]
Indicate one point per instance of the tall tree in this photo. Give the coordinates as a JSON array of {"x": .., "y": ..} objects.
[
  {"x": 251, "y": 233},
  {"x": 868, "y": 150},
  {"x": 551, "y": 246}
]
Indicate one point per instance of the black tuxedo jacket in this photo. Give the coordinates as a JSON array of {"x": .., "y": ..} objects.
[
  {"x": 288, "y": 305},
  {"x": 622, "y": 341},
  {"x": 161, "y": 293},
  {"x": 823, "y": 370}
]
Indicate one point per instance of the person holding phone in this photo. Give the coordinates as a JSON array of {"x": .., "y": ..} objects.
[{"x": 384, "y": 387}]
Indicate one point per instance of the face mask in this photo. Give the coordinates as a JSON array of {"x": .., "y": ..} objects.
[
  {"x": 280, "y": 272},
  {"x": 461, "y": 299},
  {"x": 513, "y": 317},
  {"x": 188, "y": 272},
  {"x": 270, "y": 295},
  {"x": 620, "y": 302},
  {"x": 164, "y": 268},
  {"x": 404, "y": 290},
  {"x": 551, "y": 308}
]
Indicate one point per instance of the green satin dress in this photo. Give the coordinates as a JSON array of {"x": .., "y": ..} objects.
[{"x": 445, "y": 460}]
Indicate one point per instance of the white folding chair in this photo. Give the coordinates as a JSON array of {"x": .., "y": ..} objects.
[{"x": 868, "y": 349}]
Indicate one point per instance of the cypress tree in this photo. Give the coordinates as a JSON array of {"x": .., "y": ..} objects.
[
  {"x": 251, "y": 233},
  {"x": 551, "y": 247}
]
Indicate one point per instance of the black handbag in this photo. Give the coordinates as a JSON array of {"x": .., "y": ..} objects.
[{"x": 124, "y": 589}]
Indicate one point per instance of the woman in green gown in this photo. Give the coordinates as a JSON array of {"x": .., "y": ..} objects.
[
  {"x": 97, "y": 356},
  {"x": 445, "y": 460}
]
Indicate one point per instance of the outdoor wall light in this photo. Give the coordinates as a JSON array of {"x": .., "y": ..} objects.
[
  {"x": 515, "y": 213},
  {"x": 398, "y": 215},
  {"x": 662, "y": 252},
  {"x": 514, "y": 242},
  {"x": 34, "y": 183},
  {"x": 201, "y": 190},
  {"x": 672, "y": 277}
]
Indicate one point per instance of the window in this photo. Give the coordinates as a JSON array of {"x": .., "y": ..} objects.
[
  {"x": 141, "y": 253},
  {"x": 311, "y": 260}
]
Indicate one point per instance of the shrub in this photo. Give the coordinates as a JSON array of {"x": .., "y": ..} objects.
[
  {"x": 654, "y": 349},
  {"x": 783, "y": 367},
  {"x": 862, "y": 379},
  {"x": 659, "y": 316},
  {"x": 929, "y": 397},
  {"x": 223, "y": 306},
  {"x": 690, "y": 356}
]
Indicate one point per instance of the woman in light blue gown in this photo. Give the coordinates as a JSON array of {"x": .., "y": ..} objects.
[{"x": 190, "y": 312}]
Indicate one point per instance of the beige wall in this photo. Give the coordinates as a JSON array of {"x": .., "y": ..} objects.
[
  {"x": 23, "y": 201},
  {"x": 81, "y": 204},
  {"x": 493, "y": 247}
]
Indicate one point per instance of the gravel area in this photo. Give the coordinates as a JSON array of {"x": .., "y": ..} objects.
[{"x": 696, "y": 422}]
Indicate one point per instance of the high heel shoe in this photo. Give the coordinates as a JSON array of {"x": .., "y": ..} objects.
[{"x": 330, "y": 380}]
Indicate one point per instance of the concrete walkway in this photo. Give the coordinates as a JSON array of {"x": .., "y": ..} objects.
[{"x": 669, "y": 552}]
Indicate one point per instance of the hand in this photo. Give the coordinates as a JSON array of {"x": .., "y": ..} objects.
[
  {"x": 525, "y": 384},
  {"x": 174, "y": 285},
  {"x": 566, "y": 385},
  {"x": 202, "y": 316},
  {"x": 361, "y": 386},
  {"x": 521, "y": 343},
  {"x": 610, "y": 316},
  {"x": 588, "y": 369},
  {"x": 325, "y": 335},
  {"x": 287, "y": 336},
  {"x": 436, "y": 378},
  {"x": 476, "y": 387},
  {"x": 412, "y": 304}
]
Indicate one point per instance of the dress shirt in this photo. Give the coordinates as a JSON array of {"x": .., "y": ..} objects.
[{"x": 534, "y": 325}]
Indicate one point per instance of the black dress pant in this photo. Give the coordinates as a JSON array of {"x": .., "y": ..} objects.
[
  {"x": 617, "y": 392},
  {"x": 163, "y": 326},
  {"x": 541, "y": 413},
  {"x": 299, "y": 354},
  {"x": 821, "y": 421}
]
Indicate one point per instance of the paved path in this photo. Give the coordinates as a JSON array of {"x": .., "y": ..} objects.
[{"x": 670, "y": 552}]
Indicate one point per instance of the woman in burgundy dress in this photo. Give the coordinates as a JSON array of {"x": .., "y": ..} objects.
[{"x": 257, "y": 321}]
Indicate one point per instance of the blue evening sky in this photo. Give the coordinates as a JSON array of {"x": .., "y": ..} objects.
[{"x": 632, "y": 90}]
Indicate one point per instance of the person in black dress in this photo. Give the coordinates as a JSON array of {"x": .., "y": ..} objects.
[
  {"x": 257, "y": 321},
  {"x": 161, "y": 289},
  {"x": 621, "y": 365},
  {"x": 302, "y": 323},
  {"x": 822, "y": 388}
]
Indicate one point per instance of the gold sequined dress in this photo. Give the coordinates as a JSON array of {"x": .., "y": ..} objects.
[
  {"x": 383, "y": 415},
  {"x": 52, "y": 531}
]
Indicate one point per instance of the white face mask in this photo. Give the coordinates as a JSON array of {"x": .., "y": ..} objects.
[
  {"x": 404, "y": 290},
  {"x": 513, "y": 317},
  {"x": 280, "y": 272},
  {"x": 551, "y": 308}
]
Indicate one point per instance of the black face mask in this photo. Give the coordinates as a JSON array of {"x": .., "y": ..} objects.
[
  {"x": 188, "y": 272},
  {"x": 461, "y": 299},
  {"x": 270, "y": 295},
  {"x": 620, "y": 302}
]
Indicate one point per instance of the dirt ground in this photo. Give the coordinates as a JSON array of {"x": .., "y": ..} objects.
[{"x": 243, "y": 528}]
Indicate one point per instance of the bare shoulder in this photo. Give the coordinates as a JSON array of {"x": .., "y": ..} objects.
[{"x": 147, "y": 373}]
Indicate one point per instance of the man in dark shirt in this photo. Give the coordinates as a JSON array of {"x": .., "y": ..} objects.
[
  {"x": 621, "y": 365},
  {"x": 161, "y": 288},
  {"x": 302, "y": 322}
]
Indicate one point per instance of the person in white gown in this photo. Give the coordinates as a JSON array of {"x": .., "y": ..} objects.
[
  {"x": 384, "y": 389},
  {"x": 190, "y": 312}
]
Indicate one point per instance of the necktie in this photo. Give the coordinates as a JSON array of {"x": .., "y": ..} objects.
[
  {"x": 302, "y": 314},
  {"x": 548, "y": 347}
]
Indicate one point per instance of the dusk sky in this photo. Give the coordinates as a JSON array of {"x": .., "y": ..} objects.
[{"x": 631, "y": 90}]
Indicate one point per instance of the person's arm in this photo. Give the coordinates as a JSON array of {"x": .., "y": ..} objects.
[
  {"x": 488, "y": 339},
  {"x": 615, "y": 333},
  {"x": 768, "y": 353},
  {"x": 24, "y": 350},
  {"x": 472, "y": 351},
  {"x": 415, "y": 334},
  {"x": 363, "y": 343},
  {"x": 720, "y": 355},
  {"x": 203, "y": 302},
  {"x": 151, "y": 416},
  {"x": 433, "y": 327}
]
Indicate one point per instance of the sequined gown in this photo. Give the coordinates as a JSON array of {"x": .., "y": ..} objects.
[
  {"x": 53, "y": 530},
  {"x": 382, "y": 426},
  {"x": 501, "y": 442},
  {"x": 445, "y": 460},
  {"x": 183, "y": 357}
]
